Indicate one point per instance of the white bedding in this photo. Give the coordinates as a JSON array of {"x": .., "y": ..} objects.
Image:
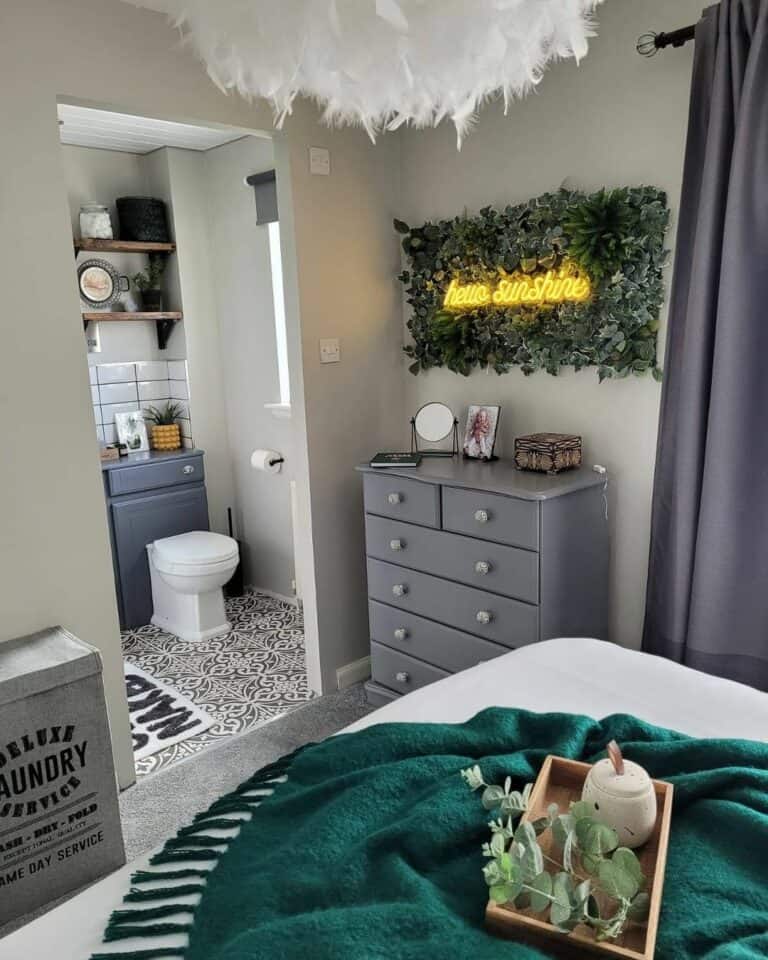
[{"x": 569, "y": 675}]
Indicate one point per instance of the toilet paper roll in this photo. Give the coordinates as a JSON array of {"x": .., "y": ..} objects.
[{"x": 269, "y": 461}]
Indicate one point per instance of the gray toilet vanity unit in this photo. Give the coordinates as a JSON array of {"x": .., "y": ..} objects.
[
  {"x": 467, "y": 560},
  {"x": 149, "y": 496}
]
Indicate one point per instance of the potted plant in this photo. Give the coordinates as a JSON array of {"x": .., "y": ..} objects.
[
  {"x": 147, "y": 282},
  {"x": 166, "y": 434}
]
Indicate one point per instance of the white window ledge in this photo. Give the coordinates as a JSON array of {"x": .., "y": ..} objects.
[{"x": 280, "y": 410}]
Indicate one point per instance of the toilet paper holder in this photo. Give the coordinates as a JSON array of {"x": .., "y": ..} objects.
[{"x": 275, "y": 460}]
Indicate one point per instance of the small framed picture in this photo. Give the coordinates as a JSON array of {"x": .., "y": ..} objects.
[
  {"x": 480, "y": 434},
  {"x": 132, "y": 431}
]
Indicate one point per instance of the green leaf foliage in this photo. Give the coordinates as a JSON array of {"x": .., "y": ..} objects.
[
  {"x": 616, "y": 236},
  {"x": 518, "y": 872}
]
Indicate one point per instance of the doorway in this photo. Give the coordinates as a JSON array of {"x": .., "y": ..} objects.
[{"x": 216, "y": 352}]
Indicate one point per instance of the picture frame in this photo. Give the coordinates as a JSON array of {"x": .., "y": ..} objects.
[
  {"x": 132, "y": 431},
  {"x": 480, "y": 431}
]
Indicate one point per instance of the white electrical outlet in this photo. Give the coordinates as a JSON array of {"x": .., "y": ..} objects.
[
  {"x": 93, "y": 338},
  {"x": 320, "y": 161},
  {"x": 330, "y": 351}
]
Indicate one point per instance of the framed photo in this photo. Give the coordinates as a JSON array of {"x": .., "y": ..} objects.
[
  {"x": 132, "y": 431},
  {"x": 480, "y": 433}
]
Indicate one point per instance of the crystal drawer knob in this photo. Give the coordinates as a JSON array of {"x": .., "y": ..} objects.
[
  {"x": 481, "y": 516},
  {"x": 402, "y": 676},
  {"x": 396, "y": 545},
  {"x": 395, "y": 498},
  {"x": 188, "y": 469},
  {"x": 482, "y": 616},
  {"x": 482, "y": 567},
  {"x": 399, "y": 590},
  {"x": 401, "y": 633}
]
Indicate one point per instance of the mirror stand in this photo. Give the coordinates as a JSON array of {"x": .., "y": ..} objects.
[{"x": 453, "y": 452}]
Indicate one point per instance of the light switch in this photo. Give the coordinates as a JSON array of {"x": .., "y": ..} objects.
[
  {"x": 319, "y": 161},
  {"x": 330, "y": 351}
]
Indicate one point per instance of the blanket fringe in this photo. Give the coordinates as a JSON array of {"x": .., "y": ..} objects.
[{"x": 192, "y": 843}]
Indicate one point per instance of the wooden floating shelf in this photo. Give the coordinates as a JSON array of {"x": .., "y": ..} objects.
[
  {"x": 165, "y": 320},
  {"x": 122, "y": 246}
]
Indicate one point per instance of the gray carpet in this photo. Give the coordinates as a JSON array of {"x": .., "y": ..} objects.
[{"x": 160, "y": 803}]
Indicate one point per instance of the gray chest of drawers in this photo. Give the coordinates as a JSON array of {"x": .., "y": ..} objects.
[{"x": 468, "y": 560}]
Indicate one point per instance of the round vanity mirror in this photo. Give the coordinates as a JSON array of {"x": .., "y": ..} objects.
[{"x": 433, "y": 422}]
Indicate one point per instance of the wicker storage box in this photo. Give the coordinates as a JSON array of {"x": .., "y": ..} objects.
[
  {"x": 59, "y": 820},
  {"x": 548, "y": 452}
]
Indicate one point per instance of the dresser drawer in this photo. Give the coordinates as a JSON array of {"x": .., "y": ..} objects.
[
  {"x": 411, "y": 500},
  {"x": 490, "y": 516},
  {"x": 400, "y": 672},
  {"x": 151, "y": 476},
  {"x": 487, "y": 615},
  {"x": 488, "y": 566},
  {"x": 379, "y": 696},
  {"x": 444, "y": 647}
]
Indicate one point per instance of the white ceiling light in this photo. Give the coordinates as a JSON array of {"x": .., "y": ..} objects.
[{"x": 383, "y": 63}]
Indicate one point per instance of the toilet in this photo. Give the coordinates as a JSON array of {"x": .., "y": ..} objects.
[{"x": 187, "y": 573}]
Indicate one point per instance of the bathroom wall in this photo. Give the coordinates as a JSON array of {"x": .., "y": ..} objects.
[
  {"x": 243, "y": 283},
  {"x": 614, "y": 119},
  {"x": 104, "y": 175}
]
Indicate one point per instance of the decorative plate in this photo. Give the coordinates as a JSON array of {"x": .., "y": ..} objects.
[{"x": 99, "y": 282}]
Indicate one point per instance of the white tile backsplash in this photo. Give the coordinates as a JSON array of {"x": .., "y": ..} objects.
[
  {"x": 109, "y": 410},
  {"x": 152, "y": 370},
  {"x": 153, "y": 390},
  {"x": 116, "y": 372},
  {"x": 124, "y": 387},
  {"x": 118, "y": 393},
  {"x": 178, "y": 389}
]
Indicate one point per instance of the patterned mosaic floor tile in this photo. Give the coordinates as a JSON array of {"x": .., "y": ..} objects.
[{"x": 249, "y": 676}]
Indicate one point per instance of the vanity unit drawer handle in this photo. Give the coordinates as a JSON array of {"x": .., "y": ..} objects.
[
  {"x": 188, "y": 469},
  {"x": 395, "y": 498},
  {"x": 396, "y": 545},
  {"x": 401, "y": 633},
  {"x": 481, "y": 516},
  {"x": 399, "y": 590},
  {"x": 483, "y": 616},
  {"x": 402, "y": 676},
  {"x": 482, "y": 567}
]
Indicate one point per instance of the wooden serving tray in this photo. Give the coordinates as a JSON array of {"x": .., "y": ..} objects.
[{"x": 560, "y": 781}]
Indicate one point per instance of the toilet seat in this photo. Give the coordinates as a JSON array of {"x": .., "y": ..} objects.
[{"x": 194, "y": 554}]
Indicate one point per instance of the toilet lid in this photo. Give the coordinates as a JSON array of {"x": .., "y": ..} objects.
[{"x": 198, "y": 547}]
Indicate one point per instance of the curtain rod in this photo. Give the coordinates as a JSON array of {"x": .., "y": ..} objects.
[{"x": 650, "y": 43}]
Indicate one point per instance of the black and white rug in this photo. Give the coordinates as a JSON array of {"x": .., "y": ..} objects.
[
  {"x": 250, "y": 676},
  {"x": 160, "y": 715}
]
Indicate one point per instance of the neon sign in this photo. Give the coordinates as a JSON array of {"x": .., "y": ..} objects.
[{"x": 565, "y": 285}]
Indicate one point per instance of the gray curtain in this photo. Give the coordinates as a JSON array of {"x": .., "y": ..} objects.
[{"x": 707, "y": 601}]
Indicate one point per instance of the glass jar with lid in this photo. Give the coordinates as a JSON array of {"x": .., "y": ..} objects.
[{"x": 95, "y": 221}]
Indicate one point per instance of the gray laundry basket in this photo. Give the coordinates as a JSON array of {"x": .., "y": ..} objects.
[{"x": 59, "y": 819}]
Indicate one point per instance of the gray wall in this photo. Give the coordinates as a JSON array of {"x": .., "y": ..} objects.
[
  {"x": 243, "y": 282},
  {"x": 615, "y": 119},
  {"x": 55, "y": 561}
]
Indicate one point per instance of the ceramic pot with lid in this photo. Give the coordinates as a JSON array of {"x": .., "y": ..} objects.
[{"x": 623, "y": 797}]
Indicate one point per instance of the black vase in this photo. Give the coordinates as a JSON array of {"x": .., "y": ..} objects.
[
  {"x": 142, "y": 218},
  {"x": 151, "y": 300}
]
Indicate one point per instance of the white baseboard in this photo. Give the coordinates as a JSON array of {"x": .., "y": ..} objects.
[
  {"x": 278, "y": 596},
  {"x": 353, "y": 672}
]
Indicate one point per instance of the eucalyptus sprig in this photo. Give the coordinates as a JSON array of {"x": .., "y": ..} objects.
[{"x": 592, "y": 863}]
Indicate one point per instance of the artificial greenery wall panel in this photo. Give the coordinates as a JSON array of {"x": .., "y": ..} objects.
[{"x": 566, "y": 279}]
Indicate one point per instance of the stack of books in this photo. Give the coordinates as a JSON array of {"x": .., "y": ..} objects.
[{"x": 396, "y": 460}]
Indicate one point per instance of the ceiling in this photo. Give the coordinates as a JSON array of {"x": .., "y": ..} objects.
[{"x": 86, "y": 127}]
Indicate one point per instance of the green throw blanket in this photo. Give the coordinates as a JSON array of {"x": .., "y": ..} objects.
[{"x": 371, "y": 847}]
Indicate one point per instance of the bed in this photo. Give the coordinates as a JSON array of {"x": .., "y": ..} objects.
[{"x": 565, "y": 675}]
